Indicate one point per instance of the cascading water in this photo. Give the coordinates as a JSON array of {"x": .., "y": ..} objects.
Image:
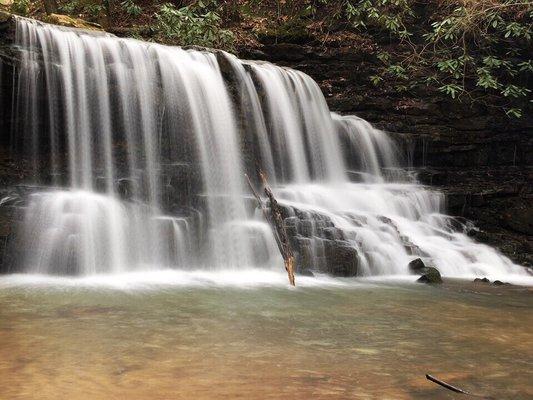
[{"x": 147, "y": 147}]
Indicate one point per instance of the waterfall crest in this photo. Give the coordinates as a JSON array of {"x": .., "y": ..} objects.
[{"x": 147, "y": 146}]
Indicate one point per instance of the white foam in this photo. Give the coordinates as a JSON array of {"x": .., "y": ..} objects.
[{"x": 245, "y": 279}]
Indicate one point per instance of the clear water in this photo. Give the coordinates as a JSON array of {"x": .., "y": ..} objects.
[{"x": 205, "y": 336}]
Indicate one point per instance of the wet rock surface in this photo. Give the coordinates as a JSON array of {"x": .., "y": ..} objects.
[
  {"x": 417, "y": 265},
  {"x": 482, "y": 160},
  {"x": 486, "y": 281},
  {"x": 319, "y": 246},
  {"x": 430, "y": 276},
  {"x": 11, "y": 215}
]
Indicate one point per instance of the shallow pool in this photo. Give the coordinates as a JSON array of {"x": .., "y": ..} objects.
[{"x": 197, "y": 336}]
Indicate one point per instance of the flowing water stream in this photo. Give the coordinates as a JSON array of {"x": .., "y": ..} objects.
[{"x": 146, "y": 147}]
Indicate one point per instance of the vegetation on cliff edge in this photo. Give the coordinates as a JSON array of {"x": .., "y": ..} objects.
[{"x": 474, "y": 51}]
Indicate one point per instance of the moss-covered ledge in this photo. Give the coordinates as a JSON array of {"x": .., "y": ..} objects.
[
  {"x": 7, "y": 21},
  {"x": 71, "y": 22}
]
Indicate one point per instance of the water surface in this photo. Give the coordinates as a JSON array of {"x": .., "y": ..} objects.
[{"x": 210, "y": 336}]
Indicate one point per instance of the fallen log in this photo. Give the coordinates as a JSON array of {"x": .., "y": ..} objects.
[
  {"x": 454, "y": 388},
  {"x": 273, "y": 215}
]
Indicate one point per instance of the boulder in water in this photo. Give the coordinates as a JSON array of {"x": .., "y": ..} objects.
[
  {"x": 417, "y": 265},
  {"x": 431, "y": 275},
  {"x": 486, "y": 280},
  {"x": 500, "y": 283}
]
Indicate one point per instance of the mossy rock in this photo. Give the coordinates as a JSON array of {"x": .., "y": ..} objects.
[
  {"x": 5, "y": 17},
  {"x": 65, "y": 20},
  {"x": 431, "y": 276}
]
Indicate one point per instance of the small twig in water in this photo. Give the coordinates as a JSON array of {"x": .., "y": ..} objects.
[{"x": 454, "y": 388}]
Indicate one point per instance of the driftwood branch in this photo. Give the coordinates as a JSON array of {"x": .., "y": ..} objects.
[
  {"x": 275, "y": 219},
  {"x": 454, "y": 388}
]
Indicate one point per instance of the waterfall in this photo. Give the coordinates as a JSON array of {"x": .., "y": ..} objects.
[{"x": 139, "y": 152}]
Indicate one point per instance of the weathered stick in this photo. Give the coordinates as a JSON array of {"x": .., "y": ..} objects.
[
  {"x": 278, "y": 229},
  {"x": 454, "y": 388}
]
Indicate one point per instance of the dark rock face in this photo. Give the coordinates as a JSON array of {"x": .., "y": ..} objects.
[
  {"x": 482, "y": 160},
  {"x": 519, "y": 218},
  {"x": 10, "y": 217},
  {"x": 417, "y": 265},
  {"x": 7, "y": 61},
  {"x": 341, "y": 259},
  {"x": 318, "y": 245},
  {"x": 6, "y": 237}
]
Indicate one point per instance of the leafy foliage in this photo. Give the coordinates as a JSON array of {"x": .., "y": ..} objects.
[
  {"x": 367, "y": 13},
  {"x": 78, "y": 7},
  {"x": 20, "y": 7},
  {"x": 131, "y": 8},
  {"x": 197, "y": 24},
  {"x": 477, "y": 49},
  {"x": 469, "y": 50}
]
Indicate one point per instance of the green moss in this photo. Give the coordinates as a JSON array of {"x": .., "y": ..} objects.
[{"x": 431, "y": 275}]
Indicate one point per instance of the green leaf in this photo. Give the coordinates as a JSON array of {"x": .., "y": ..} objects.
[
  {"x": 451, "y": 89},
  {"x": 376, "y": 80},
  {"x": 514, "y": 112}
]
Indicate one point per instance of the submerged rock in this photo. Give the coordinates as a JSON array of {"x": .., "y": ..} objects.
[
  {"x": 500, "y": 283},
  {"x": 486, "y": 280},
  {"x": 431, "y": 276}
]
